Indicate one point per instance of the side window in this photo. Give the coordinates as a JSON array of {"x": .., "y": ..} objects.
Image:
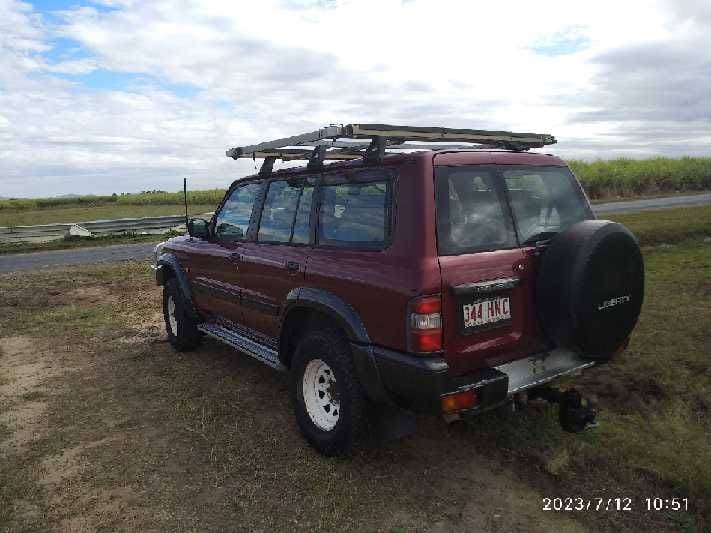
[
  {"x": 232, "y": 221},
  {"x": 303, "y": 213},
  {"x": 355, "y": 215},
  {"x": 278, "y": 212}
]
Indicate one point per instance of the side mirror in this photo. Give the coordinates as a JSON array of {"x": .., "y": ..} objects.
[{"x": 198, "y": 227}]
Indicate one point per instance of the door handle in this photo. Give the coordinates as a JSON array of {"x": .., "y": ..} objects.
[{"x": 292, "y": 266}]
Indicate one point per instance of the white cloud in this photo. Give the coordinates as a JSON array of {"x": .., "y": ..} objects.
[{"x": 266, "y": 69}]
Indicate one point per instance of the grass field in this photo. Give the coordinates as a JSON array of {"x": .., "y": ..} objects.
[
  {"x": 58, "y": 215},
  {"x": 103, "y": 426},
  {"x": 637, "y": 177},
  {"x": 667, "y": 225},
  {"x": 210, "y": 197}
]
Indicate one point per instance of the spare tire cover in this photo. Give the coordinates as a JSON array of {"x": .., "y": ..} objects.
[{"x": 590, "y": 286}]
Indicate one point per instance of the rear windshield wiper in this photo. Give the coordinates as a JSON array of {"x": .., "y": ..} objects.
[{"x": 541, "y": 236}]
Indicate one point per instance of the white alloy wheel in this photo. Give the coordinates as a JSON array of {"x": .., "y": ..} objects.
[
  {"x": 321, "y": 394},
  {"x": 171, "y": 316}
]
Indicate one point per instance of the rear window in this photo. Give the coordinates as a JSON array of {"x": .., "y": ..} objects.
[
  {"x": 355, "y": 215},
  {"x": 475, "y": 204},
  {"x": 544, "y": 201}
]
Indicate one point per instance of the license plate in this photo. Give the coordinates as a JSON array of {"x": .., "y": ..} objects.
[{"x": 488, "y": 312}]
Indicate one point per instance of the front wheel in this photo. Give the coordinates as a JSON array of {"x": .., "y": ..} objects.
[
  {"x": 181, "y": 328},
  {"x": 329, "y": 403}
]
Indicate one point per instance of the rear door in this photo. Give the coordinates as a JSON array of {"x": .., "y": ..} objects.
[
  {"x": 492, "y": 223},
  {"x": 275, "y": 263},
  {"x": 485, "y": 274}
]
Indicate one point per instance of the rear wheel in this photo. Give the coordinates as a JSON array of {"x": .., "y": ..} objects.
[
  {"x": 329, "y": 402},
  {"x": 181, "y": 328}
]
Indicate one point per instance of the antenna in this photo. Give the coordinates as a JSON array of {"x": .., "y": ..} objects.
[{"x": 185, "y": 199}]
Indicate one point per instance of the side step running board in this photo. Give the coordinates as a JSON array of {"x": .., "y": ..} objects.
[{"x": 262, "y": 353}]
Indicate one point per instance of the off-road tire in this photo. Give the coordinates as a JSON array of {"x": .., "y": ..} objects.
[
  {"x": 330, "y": 346},
  {"x": 186, "y": 335}
]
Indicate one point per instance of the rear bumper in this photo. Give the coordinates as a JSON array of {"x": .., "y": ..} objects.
[{"x": 418, "y": 383}]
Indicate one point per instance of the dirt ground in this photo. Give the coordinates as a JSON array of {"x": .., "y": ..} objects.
[{"x": 104, "y": 427}]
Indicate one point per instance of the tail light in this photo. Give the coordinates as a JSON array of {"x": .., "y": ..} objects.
[
  {"x": 459, "y": 401},
  {"x": 424, "y": 321}
]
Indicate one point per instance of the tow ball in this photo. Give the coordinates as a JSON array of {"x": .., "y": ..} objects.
[{"x": 575, "y": 412}]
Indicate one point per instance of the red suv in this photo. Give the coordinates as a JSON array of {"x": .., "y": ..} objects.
[{"x": 439, "y": 279}]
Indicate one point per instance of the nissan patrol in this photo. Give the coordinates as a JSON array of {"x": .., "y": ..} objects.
[{"x": 413, "y": 274}]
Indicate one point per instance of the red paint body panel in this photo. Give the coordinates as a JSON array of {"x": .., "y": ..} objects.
[
  {"x": 467, "y": 352},
  {"x": 379, "y": 285},
  {"x": 209, "y": 262},
  {"x": 264, "y": 277}
]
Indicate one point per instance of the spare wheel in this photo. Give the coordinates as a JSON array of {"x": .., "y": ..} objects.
[{"x": 590, "y": 286}]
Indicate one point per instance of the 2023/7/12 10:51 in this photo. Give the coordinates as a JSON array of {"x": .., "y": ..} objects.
[{"x": 613, "y": 504}]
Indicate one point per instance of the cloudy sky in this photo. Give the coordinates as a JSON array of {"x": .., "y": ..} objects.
[{"x": 125, "y": 95}]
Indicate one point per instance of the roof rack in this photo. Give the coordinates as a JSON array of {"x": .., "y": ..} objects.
[{"x": 370, "y": 141}]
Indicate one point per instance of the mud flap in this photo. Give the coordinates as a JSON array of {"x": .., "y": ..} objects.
[
  {"x": 392, "y": 423},
  {"x": 368, "y": 374}
]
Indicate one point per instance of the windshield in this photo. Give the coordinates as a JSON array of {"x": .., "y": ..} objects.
[{"x": 475, "y": 203}]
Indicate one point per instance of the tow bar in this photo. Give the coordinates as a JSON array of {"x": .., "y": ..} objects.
[{"x": 575, "y": 412}]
